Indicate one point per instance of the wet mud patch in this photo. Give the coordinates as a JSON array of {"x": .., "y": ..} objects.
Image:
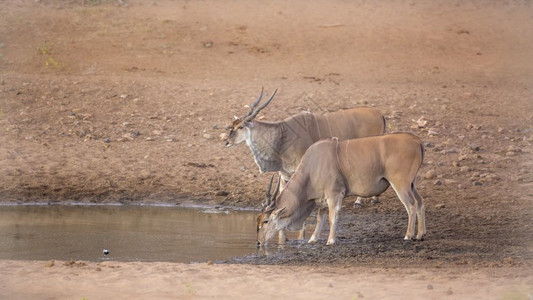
[{"x": 370, "y": 238}]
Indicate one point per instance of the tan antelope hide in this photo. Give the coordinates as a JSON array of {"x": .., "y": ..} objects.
[
  {"x": 279, "y": 146},
  {"x": 331, "y": 170}
]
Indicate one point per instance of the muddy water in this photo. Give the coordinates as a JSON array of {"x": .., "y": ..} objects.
[{"x": 130, "y": 233}]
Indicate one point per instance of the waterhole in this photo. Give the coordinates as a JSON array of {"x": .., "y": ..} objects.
[{"x": 130, "y": 233}]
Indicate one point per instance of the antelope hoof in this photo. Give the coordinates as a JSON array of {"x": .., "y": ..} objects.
[
  {"x": 330, "y": 242},
  {"x": 421, "y": 237},
  {"x": 312, "y": 240}
]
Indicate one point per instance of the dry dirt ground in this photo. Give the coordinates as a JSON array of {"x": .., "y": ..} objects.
[{"x": 124, "y": 101}]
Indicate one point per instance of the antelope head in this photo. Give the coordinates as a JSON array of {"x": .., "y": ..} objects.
[
  {"x": 266, "y": 221},
  {"x": 239, "y": 130}
]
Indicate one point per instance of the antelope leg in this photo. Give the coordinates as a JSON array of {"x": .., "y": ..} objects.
[
  {"x": 320, "y": 220},
  {"x": 334, "y": 206}
]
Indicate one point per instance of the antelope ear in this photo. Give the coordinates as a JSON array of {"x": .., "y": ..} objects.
[
  {"x": 278, "y": 212},
  {"x": 235, "y": 117}
]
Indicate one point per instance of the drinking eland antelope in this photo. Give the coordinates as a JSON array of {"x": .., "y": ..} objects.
[
  {"x": 331, "y": 170},
  {"x": 279, "y": 146}
]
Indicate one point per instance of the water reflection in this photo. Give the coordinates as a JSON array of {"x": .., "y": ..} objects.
[{"x": 137, "y": 233}]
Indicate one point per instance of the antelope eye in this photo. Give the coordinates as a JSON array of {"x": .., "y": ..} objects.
[
  {"x": 240, "y": 127},
  {"x": 265, "y": 221}
]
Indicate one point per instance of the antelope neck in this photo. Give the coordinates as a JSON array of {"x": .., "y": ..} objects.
[{"x": 263, "y": 142}]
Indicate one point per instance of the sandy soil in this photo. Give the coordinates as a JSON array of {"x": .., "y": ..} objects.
[
  {"x": 80, "y": 280},
  {"x": 101, "y": 102}
]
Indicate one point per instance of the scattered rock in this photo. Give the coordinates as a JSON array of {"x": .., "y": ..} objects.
[
  {"x": 107, "y": 140},
  {"x": 474, "y": 147},
  {"x": 477, "y": 183},
  {"x": 450, "y": 181},
  {"x": 449, "y": 151},
  {"x": 440, "y": 206},
  {"x": 472, "y": 126},
  {"x": 449, "y": 292},
  {"x": 432, "y": 131},
  {"x": 73, "y": 263},
  {"x": 431, "y": 174},
  {"x": 465, "y": 169},
  {"x": 199, "y": 165},
  {"x": 207, "y": 136},
  {"x": 421, "y": 122},
  {"x": 508, "y": 260},
  {"x": 127, "y": 137},
  {"x": 223, "y": 136},
  {"x": 437, "y": 182},
  {"x": 456, "y": 163},
  {"x": 510, "y": 153},
  {"x": 513, "y": 148},
  {"x": 50, "y": 264}
]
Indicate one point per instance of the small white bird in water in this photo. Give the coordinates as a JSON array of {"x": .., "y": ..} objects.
[{"x": 106, "y": 251}]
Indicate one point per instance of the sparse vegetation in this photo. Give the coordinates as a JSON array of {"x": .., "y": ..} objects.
[{"x": 47, "y": 50}]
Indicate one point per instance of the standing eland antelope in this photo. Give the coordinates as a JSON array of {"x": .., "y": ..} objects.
[
  {"x": 331, "y": 170},
  {"x": 279, "y": 146}
]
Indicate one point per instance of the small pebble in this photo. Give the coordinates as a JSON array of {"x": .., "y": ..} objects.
[
  {"x": 449, "y": 292},
  {"x": 437, "y": 182},
  {"x": 449, "y": 151},
  {"x": 465, "y": 169},
  {"x": 223, "y": 136},
  {"x": 431, "y": 131},
  {"x": 430, "y": 174},
  {"x": 477, "y": 183},
  {"x": 510, "y": 153},
  {"x": 440, "y": 206}
]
